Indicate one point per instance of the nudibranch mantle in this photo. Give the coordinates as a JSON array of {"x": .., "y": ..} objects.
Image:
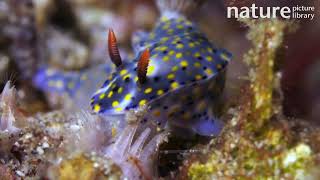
[{"x": 185, "y": 75}]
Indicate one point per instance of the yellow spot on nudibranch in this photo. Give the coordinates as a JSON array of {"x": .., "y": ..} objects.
[
  {"x": 179, "y": 26},
  {"x": 118, "y": 109},
  {"x": 164, "y": 39},
  {"x": 188, "y": 23},
  {"x": 136, "y": 78},
  {"x": 171, "y": 52},
  {"x": 159, "y": 92},
  {"x": 209, "y": 58},
  {"x": 177, "y": 38},
  {"x": 59, "y": 84},
  {"x": 178, "y": 55},
  {"x": 197, "y": 64},
  {"x": 96, "y": 108},
  {"x": 152, "y": 35},
  {"x": 150, "y": 70},
  {"x": 170, "y": 31},
  {"x": 184, "y": 63},
  {"x": 102, "y": 96},
  {"x": 165, "y": 27},
  {"x": 84, "y": 77},
  {"x": 148, "y": 90},
  {"x": 70, "y": 85},
  {"x": 209, "y": 71},
  {"x": 174, "y": 85},
  {"x": 197, "y": 54},
  {"x": 126, "y": 76},
  {"x": 191, "y": 45},
  {"x": 175, "y": 68},
  {"x": 154, "y": 56},
  {"x": 115, "y": 103},
  {"x": 180, "y": 19},
  {"x": 198, "y": 77},
  {"x": 164, "y": 18},
  {"x": 120, "y": 90},
  {"x": 142, "y": 102},
  {"x": 163, "y": 48},
  {"x": 170, "y": 76},
  {"x": 179, "y": 46},
  {"x": 128, "y": 97},
  {"x": 110, "y": 94},
  {"x": 123, "y": 72},
  {"x": 209, "y": 49},
  {"x": 165, "y": 58}
]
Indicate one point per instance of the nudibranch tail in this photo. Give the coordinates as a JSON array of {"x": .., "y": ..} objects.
[
  {"x": 143, "y": 66},
  {"x": 54, "y": 80},
  {"x": 113, "y": 49}
]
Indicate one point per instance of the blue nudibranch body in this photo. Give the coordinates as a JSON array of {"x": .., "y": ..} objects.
[{"x": 184, "y": 77}]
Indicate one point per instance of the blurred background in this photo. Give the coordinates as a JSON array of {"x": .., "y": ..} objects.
[{"x": 72, "y": 34}]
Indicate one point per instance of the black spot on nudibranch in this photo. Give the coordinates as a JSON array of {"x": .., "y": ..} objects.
[
  {"x": 127, "y": 79},
  {"x": 152, "y": 97},
  {"x": 156, "y": 79},
  {"x": 115, "y": 89}
]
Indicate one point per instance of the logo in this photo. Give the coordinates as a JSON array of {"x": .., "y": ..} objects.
[{"x": 295, "y": 12}]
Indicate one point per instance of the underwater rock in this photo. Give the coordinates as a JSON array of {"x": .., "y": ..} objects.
[
  {"x": 22, "y": 32},
  {"x": 65, "y": 52}
]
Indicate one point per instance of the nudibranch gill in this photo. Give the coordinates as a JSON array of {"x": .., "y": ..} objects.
[{"x": 177, "y": 73}]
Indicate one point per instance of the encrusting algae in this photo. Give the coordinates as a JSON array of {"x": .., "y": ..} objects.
[
  {"x": 84, "y": 167},
  {"x": 259, "y": 142}
]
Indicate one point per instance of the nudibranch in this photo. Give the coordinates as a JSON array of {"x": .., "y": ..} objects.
[{"x": 177, "y": 73}]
